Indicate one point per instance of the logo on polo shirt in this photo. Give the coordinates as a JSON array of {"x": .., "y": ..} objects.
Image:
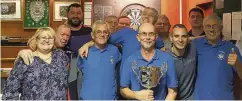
[
  {"x": 221, "y": 55},
  {"x": 111, "y": 60}
]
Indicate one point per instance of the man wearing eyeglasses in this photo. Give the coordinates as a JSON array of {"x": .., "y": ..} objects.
[
  {"x": 131, "y": 80},
  {"x": 218, "y": 62},
  {"x": 99, "y": 78},
  {"x": 162, "y": 27}
]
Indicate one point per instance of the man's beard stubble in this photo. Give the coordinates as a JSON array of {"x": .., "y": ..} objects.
[{"x": 76, "y": 24}]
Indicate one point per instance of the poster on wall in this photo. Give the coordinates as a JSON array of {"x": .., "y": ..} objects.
[
  {"x": 100, "y": 12},
  {"x": 11, "y": 10},
  {"x": 36, "y": 14},
  {"x": 60, "y": 10}
]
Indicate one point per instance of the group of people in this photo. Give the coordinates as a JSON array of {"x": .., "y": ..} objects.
[{"x": 104, "y": 62}]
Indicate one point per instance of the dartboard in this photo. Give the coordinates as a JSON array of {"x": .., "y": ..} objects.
[{"x": 133, "y": 11}]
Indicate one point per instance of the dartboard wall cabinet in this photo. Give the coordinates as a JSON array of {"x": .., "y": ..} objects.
[{"x": 130, "y": 8}]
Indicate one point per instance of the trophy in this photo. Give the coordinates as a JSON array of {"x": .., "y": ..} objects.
[{"x": 149, "y": 76}]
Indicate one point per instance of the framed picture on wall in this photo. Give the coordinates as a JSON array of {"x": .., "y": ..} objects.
[
  {"x": 11, "y": 10},
  {"x": 36, "y": 14},
  {"x": 60, "y": 10}
]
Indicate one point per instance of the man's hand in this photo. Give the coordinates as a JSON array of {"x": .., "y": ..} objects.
[
  {"x": 26, "y": 55},
  {"x": 83, "y": 51},
  {"x": 163, "y": 49},
  {"x": 192, "y": 38},
  {"x": 233, "y": 58},
  {"x": 144, "y": 95}
]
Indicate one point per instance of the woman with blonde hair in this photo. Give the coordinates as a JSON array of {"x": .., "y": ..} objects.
[{"x": 45, "y": 78}]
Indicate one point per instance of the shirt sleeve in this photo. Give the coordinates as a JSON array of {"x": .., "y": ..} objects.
[
  {"x": 238, "y": 54},
  {"x": 79, "y": 62},
  {"x": 116, "y": 38},
  {"x": 119, "y": 57},
  {"x": 12, "y": 87},
  {"x": 125, "y": 77},
  {"x": 159, "y": 44},
  {"x": 171, "y": 74}
]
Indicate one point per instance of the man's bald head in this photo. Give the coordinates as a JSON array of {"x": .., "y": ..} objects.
[
  {"x": 62, "y": 35},
  {"x": 146, "y": 26}
]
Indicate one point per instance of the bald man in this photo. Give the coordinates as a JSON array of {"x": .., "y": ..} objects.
[{"x": 148, "y": 55}]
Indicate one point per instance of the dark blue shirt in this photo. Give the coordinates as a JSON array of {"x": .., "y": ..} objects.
[
  {"x": 129, "y": 75},
  {"x": 127, "y": 38},
  {"x": 78, "y": 39},
  {"x": 99, "y": 81},
  {"x": 215, "y": 76}
]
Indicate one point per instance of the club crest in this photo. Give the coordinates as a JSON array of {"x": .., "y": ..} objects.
[
  {"x": 221, "y": 55},
  {"x": 111, "y": 60}
]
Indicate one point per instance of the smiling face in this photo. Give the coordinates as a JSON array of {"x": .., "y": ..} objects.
[
  {"x": 100, "y": 34},
  {"x": 147, "y": 36},
  {"x": 75, "y": 16},
  {"x": 148, "y": 16},
  {"x": 45, "y": 42},
  {"x": 179, "y": 38},
  {"x": 212, "y": 29}
]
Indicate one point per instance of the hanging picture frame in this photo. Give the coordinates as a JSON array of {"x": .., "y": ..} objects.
[
  {"x": 11, "y": 10},
  {"x": 36, "y": 14},
  {"x": 60, "y": 10}
]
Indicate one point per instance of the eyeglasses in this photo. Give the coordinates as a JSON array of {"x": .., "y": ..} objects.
[
  {"x": 98, "y": 33},
  {"x": 214, "y": 26},
  {"x": 150, "y": 34},
  {"x": 45, "y": 38},
  {"x": 160, "y": 24}
]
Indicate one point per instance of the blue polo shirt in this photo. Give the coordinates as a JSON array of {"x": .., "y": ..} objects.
[
  {"x": 215, "y": 76},
  {"x": 130, "y": 79},
  {"x": 127, "y": 38},
  {"x": 99, "y": 81}
]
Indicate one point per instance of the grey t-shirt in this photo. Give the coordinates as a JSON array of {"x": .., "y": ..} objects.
[{"x": 186, "y": 67}]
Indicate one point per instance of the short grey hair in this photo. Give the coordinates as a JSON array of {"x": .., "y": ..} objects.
[
  {"x": 213, "y": 16},
  {"x": 156, "y": 14},
  {"x": 98, "y": 22}
]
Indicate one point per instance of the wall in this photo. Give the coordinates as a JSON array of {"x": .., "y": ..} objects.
[
  {"x": 15, "y": 28},
  {"x": 189, "y": 5},
  {"x": 171, "y": 9}
]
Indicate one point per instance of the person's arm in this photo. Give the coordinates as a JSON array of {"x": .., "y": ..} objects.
[
  {"x": 12, "y": 87},
  {"x": 83, "y": 51},
  {"x": 26, "y": 55},
  {"x": 138, "y": 95},
  {"x": 171, "y": 79},
  {"x": 159, "y": 43},
  {"x": 172, "y": 92}
]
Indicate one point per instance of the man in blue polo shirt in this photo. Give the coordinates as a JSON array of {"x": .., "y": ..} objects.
[
  {"x": 127, "y": 36},
  {"x": 218, "y": 61},
  {"x": 148, "y": 55},
  {"x": 99, "y": 81}
]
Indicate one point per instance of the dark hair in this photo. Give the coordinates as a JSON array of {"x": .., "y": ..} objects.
[
  {"x": 179, "y": 26},
  {"x": 196, "y": 10},
  {"x": 73, "y": 5}
]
